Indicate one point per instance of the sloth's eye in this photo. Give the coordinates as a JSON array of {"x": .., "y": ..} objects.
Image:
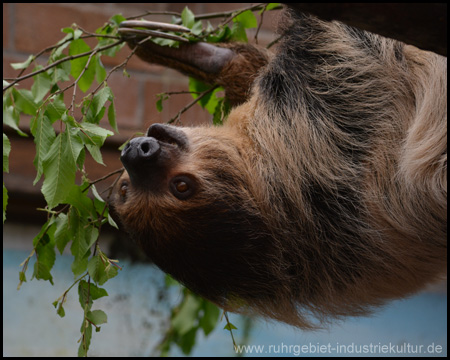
[
  {"x": 123, "y": 190},
  {"x": 182, "y": 187}
]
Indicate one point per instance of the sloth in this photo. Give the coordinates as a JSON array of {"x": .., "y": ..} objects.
[{"x": 324, "y": 195}]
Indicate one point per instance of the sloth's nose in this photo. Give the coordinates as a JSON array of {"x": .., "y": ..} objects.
[{"x": 169, "y": 135}]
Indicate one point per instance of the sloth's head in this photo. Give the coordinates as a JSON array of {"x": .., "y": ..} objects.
[{"x": 188, "y": 199}]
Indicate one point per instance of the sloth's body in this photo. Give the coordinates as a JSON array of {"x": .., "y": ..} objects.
[{"x": 324, "y": 193}]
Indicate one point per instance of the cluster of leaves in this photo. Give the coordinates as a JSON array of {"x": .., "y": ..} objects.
[
  {"x": 72, "y": 215},
  {"x": 76, "y": 213}
]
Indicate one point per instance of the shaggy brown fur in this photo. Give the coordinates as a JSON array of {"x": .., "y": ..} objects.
[{"x": 324, "y": 194}]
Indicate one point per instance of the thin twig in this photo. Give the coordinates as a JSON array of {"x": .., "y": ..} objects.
[
  {"x": 56, "y": 63},
  {"x": 188, "y": 106}
]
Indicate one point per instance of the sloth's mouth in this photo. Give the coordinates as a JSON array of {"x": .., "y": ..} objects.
[{"x": 168, "y": 135}]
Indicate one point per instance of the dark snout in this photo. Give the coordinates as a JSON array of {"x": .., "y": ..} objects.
[
  {"x": 139, "y": 156},
  {"x": 146, "y": 159}
]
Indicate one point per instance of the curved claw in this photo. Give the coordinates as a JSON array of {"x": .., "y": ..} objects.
[
  {"x": 144, "y": 33},
  {"x": 153, "y": 25}
]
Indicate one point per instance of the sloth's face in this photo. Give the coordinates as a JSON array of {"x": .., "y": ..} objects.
[{"x": 186, "y": 198}]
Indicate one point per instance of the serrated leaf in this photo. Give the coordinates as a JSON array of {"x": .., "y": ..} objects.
[
  {"x": 100, "y": 99},
  {"x": 46, "y": 255},
  {"x": 55, "y": 108},
  {"x": 84, "y": 236},
  {"x": 59, "y": 167},
  {"x": 44, "y": 136},
  {"x": 78, "y": 65},
  {"x": 41, "y": 86},
  {"x": 62, "y": 71},
  {"x": 80, "y": 202},
  {"x": 42, "y": 272},
  {"x": 78, "y": 231},
  {"x": 96, "y": 133},
  {"x": 62, "y": 236},
  {"x": 96, "y": 269},
  {"x": 25, "y": 102},
  {"x": 112, "y": 116},
  {"x": 87, "y": 292}
]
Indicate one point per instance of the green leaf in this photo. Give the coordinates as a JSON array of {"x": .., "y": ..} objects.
[
  {"x": 187, "y": 341},
  {"x": 25, "y": 102},
  {"x": 42, "y": 272},
  {"x": 59, "y": 167},
  {"x": 238, "y": 33},
  {"x": 94, "y": 136},
  {"x": 23, "y": 65},
  {"x": 112, "y": 116},
  {"x": 187, "y": 18},
  {"x": 186, "y": 318},
  {"x": 98, "y": 317},
  {"x": 80, "y": 201},
  {"x": 78, "y": 65},
  {"x": 270, "y": 6},
  {"x": 11, "y": 117},
  {"x": 161, "y": 97},
  {"x": 197, "y": 86},
  {"x": 86, "y": 331},
  {"x": 45, "y": 260},
  {"x": 211, "y": 314},
  {"x": 96, "y": 269},
  {"x": 6, "y": 151},
  {"x": 57, "y": 52},
  {"x": 97, "y": 134},
  {"x": 88, "y": 292},
  {"x": 117, "y": 19},
  {"x": 79, "y": 231},
  {"x": 247, "y": 19},
  {"x": 55, "y": 108},
  {"x": 229, "y": 326},
  {"x": 44, "y": 136},
  {"x": 41, "y": 86},
  {"x": 100, "y": 71},
  {"x": 60, "y": 311},
  {"x": 99, "y": 100},
  {"x": 223, "y": 35},
  {"x": 62, "y": 236},
  {"x": 62, "y": 71}
]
